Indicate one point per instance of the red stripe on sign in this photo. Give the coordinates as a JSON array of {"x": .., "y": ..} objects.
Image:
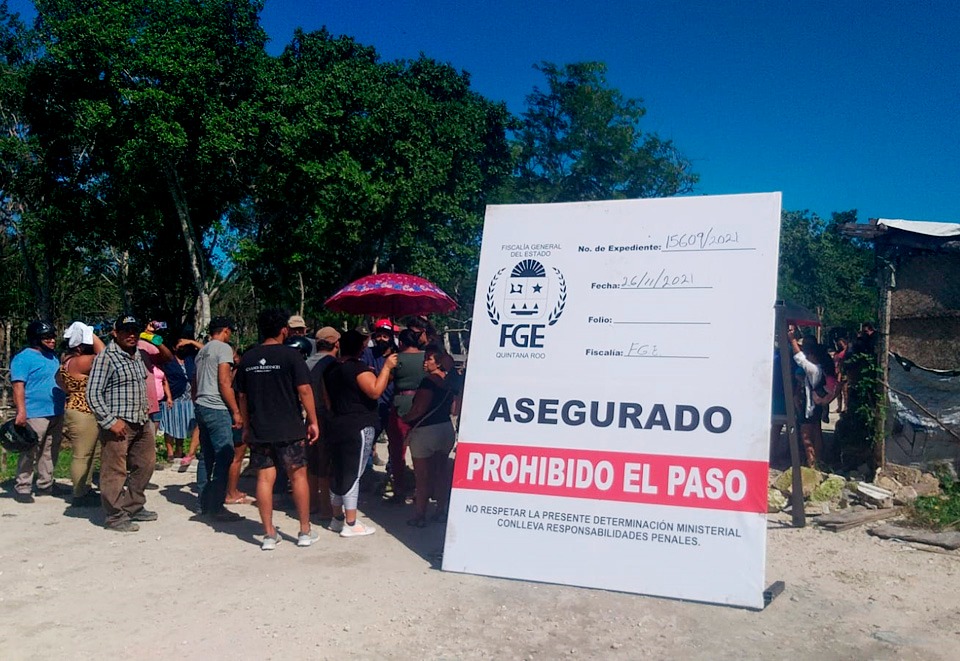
[{"x": 716, "y": 484}]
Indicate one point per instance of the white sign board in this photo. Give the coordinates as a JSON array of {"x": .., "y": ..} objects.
[{"x": 616, "y": 415}]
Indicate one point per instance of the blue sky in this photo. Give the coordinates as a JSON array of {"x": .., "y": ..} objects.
[{"x": 839, "y": 105}]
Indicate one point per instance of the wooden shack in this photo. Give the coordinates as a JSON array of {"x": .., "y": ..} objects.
[{"x": 919, "y": 265}]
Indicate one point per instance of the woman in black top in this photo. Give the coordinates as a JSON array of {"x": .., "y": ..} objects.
[
  {"x": 352, "y": 389},
  {"x": 432, "y": 437}
]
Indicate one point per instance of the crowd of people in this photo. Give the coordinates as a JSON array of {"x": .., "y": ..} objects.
[
  {"x": 307, "y": 408},
  {"x": 819, "y": 379}
]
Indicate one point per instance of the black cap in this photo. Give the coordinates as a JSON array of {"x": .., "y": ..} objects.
[
  {"x": 126, "y": 321},
  {"x": 218, "y": 323}
]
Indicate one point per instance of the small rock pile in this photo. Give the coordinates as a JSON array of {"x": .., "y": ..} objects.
[{"x": 826, "y": 492}]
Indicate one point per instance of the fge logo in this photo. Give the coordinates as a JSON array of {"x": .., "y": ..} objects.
[{"x": 528, "y": 295}]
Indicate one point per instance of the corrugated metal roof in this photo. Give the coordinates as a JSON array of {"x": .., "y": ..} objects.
[{"x": 921, "y": 227}]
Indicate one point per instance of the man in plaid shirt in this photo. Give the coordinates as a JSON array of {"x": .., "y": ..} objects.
[{"x": 117, "y": 393}]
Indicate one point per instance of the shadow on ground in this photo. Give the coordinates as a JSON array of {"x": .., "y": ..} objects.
[
  {"x": 247, "y": 530},
  {"x": 392, "y": 520}
]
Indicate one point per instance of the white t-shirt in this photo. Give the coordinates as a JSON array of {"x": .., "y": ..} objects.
[{"x": 813, "y": 376}]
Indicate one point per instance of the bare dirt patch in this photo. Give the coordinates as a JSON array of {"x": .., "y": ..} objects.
[{"x": 182, "y": 589}]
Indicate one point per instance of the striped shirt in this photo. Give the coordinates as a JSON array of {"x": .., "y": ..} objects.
[{"x": 117, "y": 387}]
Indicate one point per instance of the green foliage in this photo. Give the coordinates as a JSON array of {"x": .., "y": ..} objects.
[
  {"x": 8, "y": 470},
  {"x": 821, "y": 268},
  {"x": 860, "y": 429},
  {"x": 941, "y": 511},
  {"x": 153, "y": 156},
  {"x": 580, "y": 139},
  {"x": 374, "y": 164},
  {"x": 154, "y": 107}
]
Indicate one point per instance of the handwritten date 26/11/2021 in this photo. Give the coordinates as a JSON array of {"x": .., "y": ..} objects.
[
  {"x": 657, "y": 280},
  {"x": 710, "y": 239}
]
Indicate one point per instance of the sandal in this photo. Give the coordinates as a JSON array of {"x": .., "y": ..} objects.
[
  {"x": 242, "y": 499},
  {"x": 418, "y": 522}
]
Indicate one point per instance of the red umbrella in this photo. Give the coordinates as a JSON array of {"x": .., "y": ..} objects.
[
  {"x": 798, "y": 315},
  {"x": 392, "y": 295}
]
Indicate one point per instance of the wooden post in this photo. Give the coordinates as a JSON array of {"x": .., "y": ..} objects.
[
  {"x": 883, "y": 360},
  {"x": 786, "y": 373}
]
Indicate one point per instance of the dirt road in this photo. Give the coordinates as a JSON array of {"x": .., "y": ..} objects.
[{"x": 181, "y": 589}]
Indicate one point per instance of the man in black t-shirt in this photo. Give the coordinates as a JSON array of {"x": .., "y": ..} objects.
[
  {"x": 318, "y": 455},
  {"x": 274, "y": 387}
]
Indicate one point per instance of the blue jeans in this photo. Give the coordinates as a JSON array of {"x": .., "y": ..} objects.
[{"x": 216, "y": 444}]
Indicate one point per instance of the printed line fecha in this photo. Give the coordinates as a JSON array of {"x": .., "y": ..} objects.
[{"x": 667, "y": 288}]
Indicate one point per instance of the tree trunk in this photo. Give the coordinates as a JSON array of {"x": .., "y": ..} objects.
[
  {"x": 197, "y": 267},
  {"x": 39, "y": 287},
  {"x": 302, "y": 293},
  {"x": 122, "y": 260},
  {"x": 201, "y": 311}
]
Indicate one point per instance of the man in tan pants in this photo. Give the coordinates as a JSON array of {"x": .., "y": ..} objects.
[{"x": 39, "y": 403}]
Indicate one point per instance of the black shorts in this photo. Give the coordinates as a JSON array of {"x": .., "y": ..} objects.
[{"x": 291, "y": 454}]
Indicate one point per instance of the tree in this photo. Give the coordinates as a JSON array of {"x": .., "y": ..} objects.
[
  {"x": 581, "y": 140},
  {"x": 163, "y": 96},
  {"x": 374, "y": 166},
  {"x": 37, "y": 188},
  {"x": 821, "y": 268}
]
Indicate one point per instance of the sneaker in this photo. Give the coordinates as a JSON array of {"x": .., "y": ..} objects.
[
  {"x": 123, "y": 526},
  {"x": 23, "y": 497},
  {"x": 357, "y": 530},
  {"x": 270, "y": 543},
  {"x": 336, "y": 525},
  {"x": 143, "y": 514},
  {"x": 307, "y": 538}
]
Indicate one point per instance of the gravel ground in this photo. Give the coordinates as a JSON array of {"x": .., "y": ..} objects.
[{"x": 183, "y": 589}]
